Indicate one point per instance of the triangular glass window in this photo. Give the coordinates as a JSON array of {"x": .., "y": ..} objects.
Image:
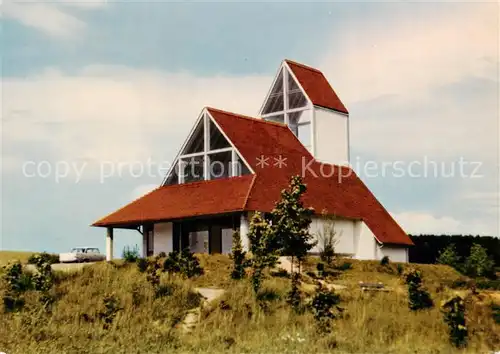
[
  {"x": 196, "y": 143},
  {"x": 217, "y": 140},
  {"x": 296, "y": 98},
  {"x": 275, "y": 101},
  {"x": 173, "y": 178}
]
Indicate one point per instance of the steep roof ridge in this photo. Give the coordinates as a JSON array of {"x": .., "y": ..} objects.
[
  {"x": 249, "y": 191},
  {"x": 237, "y": 115},
  {"x": 302, "y": 65}
]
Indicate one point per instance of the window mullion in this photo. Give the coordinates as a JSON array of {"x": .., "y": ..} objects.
[
  {"x": 285, "y": 96},
  {"x": 206, "y": 140},
  {"x": 234, "y": 159}
]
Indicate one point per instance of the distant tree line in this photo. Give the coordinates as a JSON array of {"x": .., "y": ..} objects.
[{"x": 428, "y": 247}]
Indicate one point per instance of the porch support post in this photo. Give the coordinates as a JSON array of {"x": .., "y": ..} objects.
[
  {"x": 144, "y": 242},
  {"x": 109, "y": 244},
  {"x": 244, "y": 225}
]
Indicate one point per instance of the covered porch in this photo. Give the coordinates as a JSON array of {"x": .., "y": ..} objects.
[{"x": 204, "y": 234}]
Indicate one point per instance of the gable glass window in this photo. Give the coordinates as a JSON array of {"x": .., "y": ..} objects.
[
  {"x": 192, "y": 169},
  {"x": 275, "y": 101},
  {"x": 207, "y": 154},
  {"x": 287, "y": 104}
]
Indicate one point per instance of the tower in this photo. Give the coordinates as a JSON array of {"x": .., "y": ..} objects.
[{"x": 302, "y": 98}]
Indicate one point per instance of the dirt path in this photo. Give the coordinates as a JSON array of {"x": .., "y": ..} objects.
[
  {"x": 66, "y": 267},
  {"x": 284, "y": 263},
  {"x": 193, "y": 316}
]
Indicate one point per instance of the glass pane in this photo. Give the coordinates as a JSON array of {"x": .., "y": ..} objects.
[
  {"x": 227, "y": 240},
  {"x": 296, "y": 98},
  {"x": 220, "y": 165},
  {"x": 173, "y": 178},
  {"x": 195, "y": 144},
  {"x": 198, "y": 241},
  {"x": 241, "y": 167},
  {"x": 304, "y": 134},
  {"x": 296, "y": 118},
  {"x": 217, "y": 140},
  {"x": 193, "y": 169},
  {"x": 275, "y": 101},
  {"x": 280, "y": 118}
]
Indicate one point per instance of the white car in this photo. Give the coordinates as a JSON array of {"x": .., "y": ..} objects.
[{"x": 82, "y": 254}]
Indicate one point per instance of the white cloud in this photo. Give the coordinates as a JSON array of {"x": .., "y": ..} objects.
[
  {"x": 407, "y": 55},
  {"x": 45, "y": 17},
  {"x": 392, "y": 73},
  {"x": 118, "y": 114},
  {"x": 424, "y": 223}
]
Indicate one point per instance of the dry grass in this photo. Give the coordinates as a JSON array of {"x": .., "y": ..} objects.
[
  {"x": 12, "y": 256},
  {"x": 238, "y": 322}
]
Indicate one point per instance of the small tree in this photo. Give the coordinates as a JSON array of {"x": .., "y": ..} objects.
[
  {"x": 325, "y": 307},
  {"x": 238, "y": 256},
  {"x": 454, "y": 316},
  {"x": 449, "y": 256},
  {"x": 418, "y": 297},
  {"x": 290, "y": 222},
  {"x": 294, "y": 296},
  {"x": 263, "y": 248},
  {"x": 327, "y": 238},
  {"x": 478, "y": 264}
]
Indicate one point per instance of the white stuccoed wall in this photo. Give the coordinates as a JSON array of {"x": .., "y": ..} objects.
[
  {"x": 395, "y": 254},
  {"x": 344, "y": 229},
  {"x": 331, "y": 136},
  {"x": 366, "y": 242},
  {"x": 163, "y": 240}
]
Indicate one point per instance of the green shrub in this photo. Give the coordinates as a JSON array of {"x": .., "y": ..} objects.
[
  {"x": 130, "y": 255},
  {"x": 400, "y": 268},
  {"x": 478, "y": 264},
  {"x": 142, "y": 264},
  {"x": 324, "y": 306},
  {"x": 111, "y": 308},
  {"x": 454, "y": 316},
  {"x": 344, "y": 266},
  {"x": 320, "y": 267},
  {"x": 44, "y": 257},
  {"x": 17, "y": 281},
  {"x": 184, "y": 262},
  {"x": 238, "y": 257},
  {"x": 418, "y": 297},
  {"x": 384, "y": 261},
  {"x": 449, "y": 256}
]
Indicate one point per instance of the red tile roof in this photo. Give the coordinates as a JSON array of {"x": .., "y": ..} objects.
[
  {"x": 316, "y": 86},
  {"x": 338, "y": 190},
  {"x": 183, "y": 200}
]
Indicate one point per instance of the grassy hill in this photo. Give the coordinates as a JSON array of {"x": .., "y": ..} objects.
[{"x": 237, "y": 322}]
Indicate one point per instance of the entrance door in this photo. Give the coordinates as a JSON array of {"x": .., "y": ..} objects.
[{"x": 215, "y": 239}]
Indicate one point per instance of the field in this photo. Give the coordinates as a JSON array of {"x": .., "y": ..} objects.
[
  {"x": 378, "y": 322},
  {"x": 8, "y": 256}
]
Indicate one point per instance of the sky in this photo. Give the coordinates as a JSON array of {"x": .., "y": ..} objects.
[{"x": 90, "y": 89}]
